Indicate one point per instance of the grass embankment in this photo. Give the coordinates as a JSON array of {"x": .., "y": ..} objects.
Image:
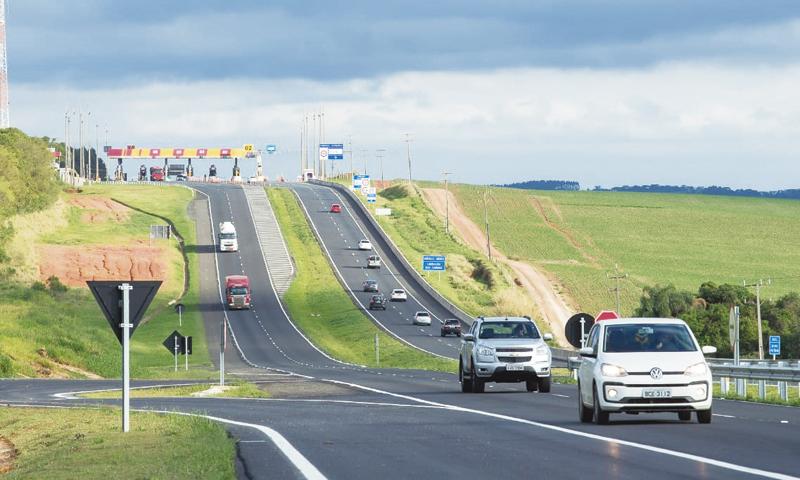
[
  {"x": 48, "y": 329},
  {"x": 326, "y": 314},
  {"x": 474, "y": 284},
  {"x": 654, "y": 238},
  {"x": 772, "y": 394},
  {"x": 235, "y": 390},
  {"x": 88, "y": 444}
]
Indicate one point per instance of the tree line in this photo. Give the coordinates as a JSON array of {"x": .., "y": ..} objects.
[
  {"x": 707, "y": 312},
  {"x": 28, "y": 181},
  {"x": 712, "y": 190},
  {"x": 544, "y": 185}
]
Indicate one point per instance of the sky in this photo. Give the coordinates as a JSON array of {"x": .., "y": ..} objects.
[{"x": 602, "y": 92}]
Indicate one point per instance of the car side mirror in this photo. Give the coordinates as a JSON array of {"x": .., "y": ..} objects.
[
  {"x": 468, "y": 337},
  {"x": 547, "y": 337},
  {"x": 586, "y": 352},
  {"x": 708, "y": 350}
]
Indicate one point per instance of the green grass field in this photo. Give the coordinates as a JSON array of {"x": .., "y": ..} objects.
[
  {"x": 88, "y": 443},
  {"x": 70, "y": 327},
  {"x": 321, "y": 308},
  {"x": 654, "y": 238}
]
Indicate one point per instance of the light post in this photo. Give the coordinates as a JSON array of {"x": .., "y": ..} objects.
[
  {"x": 379, "y": 154},
  {"x": 447, "y": 204}
]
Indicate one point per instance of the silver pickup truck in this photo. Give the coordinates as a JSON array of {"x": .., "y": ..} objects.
[{"x": 507, "y": 350}]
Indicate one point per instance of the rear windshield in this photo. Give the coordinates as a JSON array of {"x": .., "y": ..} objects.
[
  {"x": 648, "y": 337},
  {"x": 238, "y": 291},
  {"x": 508, "y": 330},
  {"x": 451, "y": 322},
  {"x": 227, "y": 236}
]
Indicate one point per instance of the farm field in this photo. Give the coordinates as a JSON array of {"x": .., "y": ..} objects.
[{"x": 686, "y": 240}]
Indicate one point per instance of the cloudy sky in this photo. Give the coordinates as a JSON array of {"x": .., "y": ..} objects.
[{"x": 603, "y": 92}]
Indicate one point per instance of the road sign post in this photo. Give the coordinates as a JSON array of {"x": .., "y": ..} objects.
[
  {"x": 124, "y": 304},
  {"x": 223, "y": 340},
  {"x": 774, "y": 346},
  {"x": 175, "y": 351},
  {"x": 377, "y": 351},
  {"x": 126, "y": 356},
  {"x": 179, "y": 308},
  {"x": 576, "y": 329}
]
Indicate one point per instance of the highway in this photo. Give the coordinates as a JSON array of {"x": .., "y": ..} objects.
[{"x": 352, "y": 422}]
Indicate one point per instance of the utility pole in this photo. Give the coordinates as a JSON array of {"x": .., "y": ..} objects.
[
  {"x": 364, "y": 155},
  {"x": 486, "y": 220},
  {"x": 760, "y": 283},
  {"x": 408, "y": 152},
  {"x": 352, "y": 172},
  {"x": 96, "y": 152},
  {"x": 379, "y": 154},
  {"x": 66, "y": 141},
  {"x": 617, "y": 277},
  {"x": 447, "y": 204}
]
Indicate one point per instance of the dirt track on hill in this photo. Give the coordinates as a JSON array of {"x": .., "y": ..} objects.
[
  {"x": 552, "y": 306},
  {"x": 75, "y": 265}
]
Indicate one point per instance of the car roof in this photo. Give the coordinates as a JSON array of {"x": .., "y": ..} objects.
[
  {"x": 398, "y": 290},
  {"x": 507, "y": 319},
  {"x": 422, "y": 312},
  {"x": 631, "y": 321}
]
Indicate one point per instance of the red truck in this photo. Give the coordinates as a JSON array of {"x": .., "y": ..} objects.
[
  {"x": 156, "y": 174},
  {"x": 237, "y": 291}
]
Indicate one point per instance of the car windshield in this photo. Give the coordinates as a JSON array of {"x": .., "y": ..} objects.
[
  {"x": 508, "y": 330},
  {"x": 227, "y": 236},
  {"x": 423, "y": 314},
  {"x": 648, "y": 337},
  {"x": 238, "y": 291},
  {"x": 399, "y": 291}
]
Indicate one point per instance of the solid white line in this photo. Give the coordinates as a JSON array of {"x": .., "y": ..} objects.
[
  {"x": 578, "y": 433},
  {"x": 559, "y": 395},
  {"x": 721, "y": 415}
]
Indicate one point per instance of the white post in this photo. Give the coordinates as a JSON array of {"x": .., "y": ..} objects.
[
  {"x": 583, "y": 332},
  {"x": 175, "y": 352},
  {"x": 186, "y": 352},
  {"x": 126, "y": 356},
  {"x": 222, "y": 342},
  {"x": 180, "y": 317},
  {"x": 377, "y": 351}
]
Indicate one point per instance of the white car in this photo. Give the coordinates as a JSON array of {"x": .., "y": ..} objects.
[
  {"x": 398, "y": 295},
  {"x": 422, "y": 318},
  {"x": 374, "y": 261},
  {"x": 364, "y": 244},
  {"x": 636, "y": 365}
]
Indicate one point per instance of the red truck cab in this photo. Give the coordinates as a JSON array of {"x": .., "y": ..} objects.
[
  {"x": 156, "y": 174},
  {"x": 237, "y": 291}
]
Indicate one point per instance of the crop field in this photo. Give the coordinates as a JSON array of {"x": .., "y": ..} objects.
[{"x": 579, "y": 237}]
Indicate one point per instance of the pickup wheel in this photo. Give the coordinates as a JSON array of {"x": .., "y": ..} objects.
[
  {"x": 478, "y": 385},
  {"x": 466, "y": 384},
  {"x": 598, "y": 415},
  {"x": 684, "y": 416},
  {"x": 544, "y": 384},
  {"x": 584, "y": 413},
  {"x": 531, "y": 385}
]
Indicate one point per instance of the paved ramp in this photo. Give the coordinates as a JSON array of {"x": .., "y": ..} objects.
[{"x": 279, "y": 263}]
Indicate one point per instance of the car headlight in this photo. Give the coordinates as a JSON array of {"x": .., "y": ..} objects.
[
  {"x": 609, "y": 370},
  {"x": 696, "y": 370},
  {"x": 542, "y": 350},
  {"x": 485, "y": 352}
]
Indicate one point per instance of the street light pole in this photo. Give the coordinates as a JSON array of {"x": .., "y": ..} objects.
[
  {"x": 379, "y": 154},
  {"x": 408, "y": 153},
  {"x": 447, "y": 204}
]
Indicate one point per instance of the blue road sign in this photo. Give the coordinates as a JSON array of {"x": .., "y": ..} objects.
[
  {"x": 332, "y": 151},
  {"x": 358, "y": 180},
  {"x": 435, "y": 263},
  {"x": 774, "y": 345},
  {"x": 271, "y": 148}
]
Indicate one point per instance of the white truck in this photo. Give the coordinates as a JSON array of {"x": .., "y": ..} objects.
[{"x": 227, "y": 237}]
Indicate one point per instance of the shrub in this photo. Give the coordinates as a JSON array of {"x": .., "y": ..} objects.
[{"x": 55, "y": 285}]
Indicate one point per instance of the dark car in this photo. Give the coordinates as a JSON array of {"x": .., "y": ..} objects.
[
  {"x": 377, "y": 302},
  {"x": 370, "y": 286},
  {"x": 336, "y": 208},
  {"x": 451, "y": 325}
]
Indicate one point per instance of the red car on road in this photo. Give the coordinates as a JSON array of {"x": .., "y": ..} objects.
[{"x": 336, "y": 208}]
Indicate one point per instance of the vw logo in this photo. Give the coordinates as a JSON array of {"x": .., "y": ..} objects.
[{"x": 656, "y": 373}]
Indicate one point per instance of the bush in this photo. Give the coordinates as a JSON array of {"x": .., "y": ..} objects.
[
  {"x": 38, "y": 287},
  {"x": 55, "y": 285},
  {"x": 6, "y": 366},
  {"x": 482, "y": 273}
]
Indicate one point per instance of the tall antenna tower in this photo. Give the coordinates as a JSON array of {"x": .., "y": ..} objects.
[{"x": 4, "y": 117}]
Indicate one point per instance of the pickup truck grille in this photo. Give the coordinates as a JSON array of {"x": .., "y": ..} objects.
[
  {"x": 513, "y": 349},
  {"x": 514, "y": 359}
]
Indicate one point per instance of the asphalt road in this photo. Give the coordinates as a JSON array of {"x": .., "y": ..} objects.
[{"x": 372, "y": 423}]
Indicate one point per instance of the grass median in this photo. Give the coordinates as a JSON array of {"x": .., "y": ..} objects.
[
  {"x": 206, "y": 390},
  {"x": 89, "y": 444},
  {"x": 325, "y": 312}
]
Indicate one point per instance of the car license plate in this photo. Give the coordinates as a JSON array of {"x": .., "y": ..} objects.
[
  {"x": 513, "y": 367},
  {"x": 657, "y": 393}
]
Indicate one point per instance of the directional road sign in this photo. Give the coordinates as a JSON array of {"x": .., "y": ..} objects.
[
  {"x": 109, "y": 297},
  {"x": 434, "y": 263},
  {"x": 271, "y": 148},
  {"x": 331, "y": 151},
  {"x": 184, "y": 343},
  {"x": 573, "y": 330},
  {"x": 774, "y": 345}
]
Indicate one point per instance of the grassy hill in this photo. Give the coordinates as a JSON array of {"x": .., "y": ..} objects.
[{"x": 654, "y": 238}]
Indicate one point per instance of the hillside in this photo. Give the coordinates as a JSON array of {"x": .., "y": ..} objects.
[{"x": 685, "y": 240}]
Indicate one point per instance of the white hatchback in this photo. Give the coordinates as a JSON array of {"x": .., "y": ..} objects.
[
  {"x": 364, "y": 244},
  {"x": 422, "y": 318},
  {"x": 399, "y": 295},
  {"x": 635, "y": 365}
]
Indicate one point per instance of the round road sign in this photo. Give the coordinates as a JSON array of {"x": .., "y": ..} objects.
[{"x": 572, "y": 330}]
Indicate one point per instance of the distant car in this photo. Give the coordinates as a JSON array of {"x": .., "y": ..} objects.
[
  {"x": 451, "y": 325},
  {"x": 181, "y": 178},
  {"x": 336, "y": 208},
  {"x": 364, "y": 244},
  {"x": 370, "y": 286},
  {"x": 377, "y": 302},
  {"x": 374, "y": 261},
  {"x": 398, "y": 295},
  {"x": 422, "y": 318},
  {"x": 635, "y": 365}
]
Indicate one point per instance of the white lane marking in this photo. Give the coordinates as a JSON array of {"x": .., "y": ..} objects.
[
  {"x": 559, "y": 395},
  {"x": 721, "y": 415},
  {"x": 578, "y": 433},
  {"x": 784, "y": 421}
]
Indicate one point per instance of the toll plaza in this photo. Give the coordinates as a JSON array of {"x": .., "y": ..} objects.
[{"x": 178, "y": 162}]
